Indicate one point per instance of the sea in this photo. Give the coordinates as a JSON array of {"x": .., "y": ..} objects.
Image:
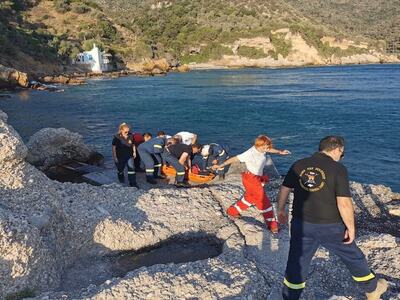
[{"x": 296, "y": 107}]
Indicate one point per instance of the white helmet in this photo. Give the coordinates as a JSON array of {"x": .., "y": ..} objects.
[{"x": 205, "y": 150}]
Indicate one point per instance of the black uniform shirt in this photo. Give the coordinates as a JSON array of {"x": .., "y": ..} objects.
[
  {"x": 124, "y": 147},
  {"x": 317, "y": 181},
  {"x": 178, "y": 149}
]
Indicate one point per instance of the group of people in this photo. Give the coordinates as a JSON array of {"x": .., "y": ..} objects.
[
  {"x": 181, "y": 151},
  {"x": 322, "y": 212}
]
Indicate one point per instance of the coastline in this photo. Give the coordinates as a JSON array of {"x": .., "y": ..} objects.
[{"x": 11, "y": 78}]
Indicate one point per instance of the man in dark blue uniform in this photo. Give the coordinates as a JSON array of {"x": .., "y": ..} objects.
[
  {"x": 212, "y": 154},
  {"x": 150, "y": 153},
  {"x": 323, "y": 214},
  {"x": 179, "y": 156}
]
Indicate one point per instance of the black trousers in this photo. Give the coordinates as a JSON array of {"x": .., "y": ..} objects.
[{"x": 130, "y": 164}]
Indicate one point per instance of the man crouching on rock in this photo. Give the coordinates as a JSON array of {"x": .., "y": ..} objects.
[
  {"x": 253, "y": 180},
  {"x": 323, "y": 214}
]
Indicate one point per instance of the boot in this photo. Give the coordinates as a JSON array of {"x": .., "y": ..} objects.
[
  {"x": 160, "y": 177},
  {"x": 133, "y": 184},
  {"x": 150, "y": 180},
  {"x": 182, "y": 184},
  {"x": 273, "y": 226},
  {"x": 121, "y": 177},
  {"x": 381, "y": 288}
]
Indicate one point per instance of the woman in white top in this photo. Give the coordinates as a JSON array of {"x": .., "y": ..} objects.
[{"x": 253, "y": 180}]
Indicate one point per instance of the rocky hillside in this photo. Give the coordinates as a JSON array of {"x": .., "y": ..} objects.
[
  {"x": 43, "y": 36},
  {"x": 61, "y": 240},
  {"x": 379, "y": 19}
]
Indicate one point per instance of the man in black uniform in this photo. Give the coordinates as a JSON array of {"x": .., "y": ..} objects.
[
  {"x": 179, "y": 156},
  {"x": 323, "y": 214}
]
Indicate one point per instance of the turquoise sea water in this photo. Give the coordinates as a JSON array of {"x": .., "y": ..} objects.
[{"x": 296, "y": 107}]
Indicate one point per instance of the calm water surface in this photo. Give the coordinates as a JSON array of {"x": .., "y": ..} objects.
[{"x": 296, "y": 107}]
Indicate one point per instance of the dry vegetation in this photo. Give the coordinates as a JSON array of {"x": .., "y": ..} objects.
[{"x": 54, "y": 31}]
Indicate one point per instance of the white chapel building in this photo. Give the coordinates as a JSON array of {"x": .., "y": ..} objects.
[{"x": 96, "y": 60}]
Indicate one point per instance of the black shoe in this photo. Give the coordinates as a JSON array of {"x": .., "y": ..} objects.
[
  {"x": 134, "y": 185},
  {"x": 151, "y": 180},
  {"x": 121, "y": 178},
  {"x": 182, "y": 185}
]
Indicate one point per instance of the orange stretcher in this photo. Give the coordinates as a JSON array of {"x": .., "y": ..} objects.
[{"x": 197, "y": 178}]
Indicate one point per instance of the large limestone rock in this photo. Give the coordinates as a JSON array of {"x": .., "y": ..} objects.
[
  {"x": 50, "y": 232},
  {"x": 10, "y": 78},
  {"x": 54, "y": 146}
]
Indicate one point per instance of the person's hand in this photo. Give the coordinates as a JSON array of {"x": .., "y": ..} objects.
[
  {"x": 215, "y": 167},
  {"x": 282, "y": 216},
  {"x": 215, "y": 162},
  {"x": 284, "y": 152},
  {"x": 116, "y": 160},
  {"x": 349, "y": 236}
]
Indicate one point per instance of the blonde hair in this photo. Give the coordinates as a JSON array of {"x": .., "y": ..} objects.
[
  {"x": 262, "y": 140},
  {"x": 122, "y": 126}
]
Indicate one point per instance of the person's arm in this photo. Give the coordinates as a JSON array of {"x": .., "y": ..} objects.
[
  {"x": 189, "y": 162},
  {"x": 114, "y": 153},
  {"x": 134, "y": 151},
  {"x": 194, "y": 139},
  {"x": 282, "y": 199},
  {"x": 346, "y": 210},
  {"x": 183, "y": 159},
  {"x": 280, "y": 152},
  {"x": 226, "y": 163}
]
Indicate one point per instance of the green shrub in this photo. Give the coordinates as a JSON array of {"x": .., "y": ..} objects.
[
  {"x": 251, "y": 52},
  {"x": 281, "y": 46},
  {"x": 141, "y": 50},
  {"x": 210, "y": 52},
  {"x": 106, "y": 30},
  {"x": 62, "y": 6},
  {"x": 88, "y": 44},
  {"x": 80, "y": 8}
]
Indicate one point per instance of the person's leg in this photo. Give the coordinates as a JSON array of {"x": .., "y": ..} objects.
[
  {"x": 180, "y": 170},
  {"x": 157, "y": 165},
  {"x": 148, "y": 164},
  {"x": 120, "y": 165},
  {"x": 255, "y": 194},
  {"x": 241, "y": 205},
  {"x": 221, "y": 172},
  {"x": 132, "y": 173},
  {"x": 200, "y": 161},
  {"x": 351, "y": 256},
  {"x": 302, "y": 249}
]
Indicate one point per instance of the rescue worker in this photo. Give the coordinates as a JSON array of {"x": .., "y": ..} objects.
[
  {"x": 212, "y": 154},
  {"x": 150, "y": 153},
  {"x": 322, "y": 214},
  {"x": 186, "y": 137},
  {"x": 138, "y": 139},
  {"x": 254, "y": 180},
  {"x": 178, "y": 156},
  {"x": 124, "y": 153}
]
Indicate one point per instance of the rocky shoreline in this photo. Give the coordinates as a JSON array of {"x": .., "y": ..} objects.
[
  {"x": 48, "y": 228},
  {"x": 11, "y": 78}
]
